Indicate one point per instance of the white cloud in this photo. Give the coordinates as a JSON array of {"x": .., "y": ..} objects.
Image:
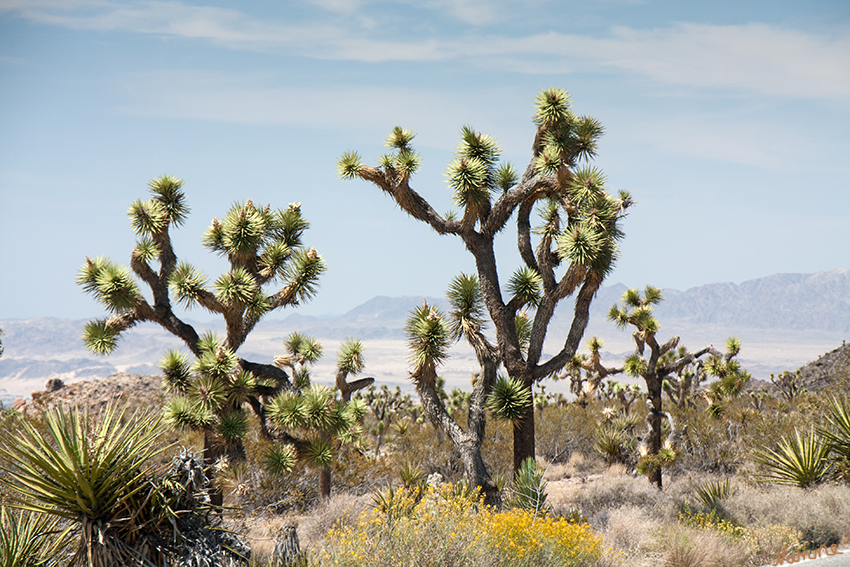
[{"x": 752, "y": 58}]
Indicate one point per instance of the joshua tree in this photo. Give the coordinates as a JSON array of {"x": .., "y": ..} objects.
[
  {"x": 263, "y": 247},
  {"x": 1, "y": 342},
  {"x": 311, "y": 420},
  {"x": 429, "y": 334},
  {"x": 576, "y": 242},
  {"x": 662, "y": 363},
  {"x": 683, "y": 386},
  {"x": 586, "y": 372}
]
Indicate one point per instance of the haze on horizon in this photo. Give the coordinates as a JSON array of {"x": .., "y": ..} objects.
[{"x": 728, "y": 122}]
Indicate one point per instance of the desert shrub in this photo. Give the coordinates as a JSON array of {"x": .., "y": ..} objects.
[
  {"x": 766, "y": 541},
  {"x": 630, "y": 534},
  {"x": 597, "y": 499},
  {"x": 445, "y": 528},
  {"x": 819, "y": 514},
  {"x": 713, "y": 492},
  {"x": 710, "y": 520},
  {"x": 562, "y": 430},
  {"x": 693, "y": 547}
]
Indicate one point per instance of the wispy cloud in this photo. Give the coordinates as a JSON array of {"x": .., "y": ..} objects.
[
  {"x": 754, "y": 57},
  {"x": 257, "y": 99}
]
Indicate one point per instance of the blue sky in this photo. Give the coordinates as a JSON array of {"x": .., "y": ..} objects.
[{"x": 728, "y": 121}]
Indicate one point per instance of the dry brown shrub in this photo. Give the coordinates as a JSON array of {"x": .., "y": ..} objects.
[
  {"x": 340, "y": 510},
  {"x": 703, "y": 548}
]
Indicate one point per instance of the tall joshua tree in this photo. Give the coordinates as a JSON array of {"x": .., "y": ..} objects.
[
  {"x": 263, "y": 247},
  {"x": 567, "y": 255},
  {"x": 664, "y": 363}
]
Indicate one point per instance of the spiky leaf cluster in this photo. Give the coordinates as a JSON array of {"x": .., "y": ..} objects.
[
  {"x": 350, "y": 359},
  {"x": 468, "y": 314},
  {"x": 113, "y": 285},
  {"x": 509, "y": 399},
  {"x": 526, "y": 285},
  {"x": 211, "y": 394},
  {"x": 428, "y": 337}
]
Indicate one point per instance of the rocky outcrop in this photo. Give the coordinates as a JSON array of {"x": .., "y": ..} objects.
[
  {"x": 831, "y": 369},
  {"x": 133, "y": 390}
]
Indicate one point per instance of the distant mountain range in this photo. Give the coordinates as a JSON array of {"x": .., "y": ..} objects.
[{"x": 787, "y": 319}]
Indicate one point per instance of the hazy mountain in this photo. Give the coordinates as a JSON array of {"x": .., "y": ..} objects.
[{"x": 785, "y": 320}]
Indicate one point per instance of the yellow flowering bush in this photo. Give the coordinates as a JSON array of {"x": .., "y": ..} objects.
[{"x": 446, "y": 528}]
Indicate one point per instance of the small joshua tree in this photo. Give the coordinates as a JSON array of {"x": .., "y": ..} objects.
[
  {"x": 429, "y": 334},
  {"x": 567, "y": 255},
  {"x": 263, "y": 247},
  {"x": 311, "y": 422},
  {"x": 661, "y": 362}
]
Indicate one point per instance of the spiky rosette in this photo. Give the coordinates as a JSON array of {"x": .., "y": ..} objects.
[
  {"x": 468, "y": 178},
  {"x": 176, "y": 375},
  {"x": 100, "y": 337},
  {"x": 243, "y": 230},
  {"x": 236, "y": 287},
  {"x": 146, "y": 250},
  {"x": 217, "y": 363},
  {"x": 232, "y": 425},
  {"x": 319, "y": 408},
  {"x": 527, "y": 285},
  {"x": 208, "y": 394},
  {"x": 168, "y": 192},
  {"x": 241, "y": 387},
  {"x": 509, "y": 399},
  {"x": 187, "y": 283},
  {"x": 319, "y": 453},
  {"x": 287, "y": 411},
  {"x": 468, "y": 313},
  {"x": 280, "y": 459},
  {"x": 183, "y": 413},
  {"x": 635, "y": 365},
  {"x": 349, "y": 165},
  {"x": 147, "y": 217},
  {"x": 552, "y": 106},
  {"x": 427, "y": 337},
  {"x": 350, "y": 357},
  {"x": 580, "y": 244},
  {"x": 400, "y": 138},
  {"x": 303, "y": 273},
  {"x": 115, "y": 288}
]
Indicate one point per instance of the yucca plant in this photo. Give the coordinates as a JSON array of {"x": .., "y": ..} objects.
[
  {"x": 269, "y": 268},
  {"x": 801, "y": 460},
  {"x": 95, "y": 474},
  {"x": 837, "y": 435},
  {"x": 312, "y": 424},
  {"x": 529, "y": 490},
  {"x": 713, "y": 492},
  {"x": 30, "y": 539}
]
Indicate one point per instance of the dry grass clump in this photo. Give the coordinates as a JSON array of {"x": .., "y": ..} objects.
[
  {"x": 689, "y": 547},
  {"x": 612, "y": 491},
  {"x": 629, "y": 538},
  {"x": 338, "y": 512}
]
